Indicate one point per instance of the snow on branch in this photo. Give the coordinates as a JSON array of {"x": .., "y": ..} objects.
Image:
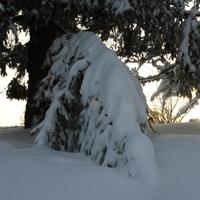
[
  {"x": 119, "y": 6},
  {"x": 184, "y": 47},
  {"x": 95, "y": 106},
  {"x": 186, "y": 108},
  {"x": 1, "y": 8}
]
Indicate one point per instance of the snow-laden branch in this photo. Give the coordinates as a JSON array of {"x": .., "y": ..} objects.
[
  {"x": 2, "y": 8},
  {"x": 186, "y": 108},
  {"x": 184, "y": 47}
]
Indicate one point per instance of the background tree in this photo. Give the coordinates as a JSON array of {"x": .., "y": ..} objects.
[{"x": 165, "y": 33}]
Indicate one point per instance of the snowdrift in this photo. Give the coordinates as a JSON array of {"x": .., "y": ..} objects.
[{"x": 94, "y": 105}]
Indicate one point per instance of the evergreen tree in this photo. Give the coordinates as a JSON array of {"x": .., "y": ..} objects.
[
  {"x": 165, "y": 33},
  {"x": 93, "y": 104}
]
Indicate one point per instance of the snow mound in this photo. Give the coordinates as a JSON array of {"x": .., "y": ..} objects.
[{"x": 93, "y": 104}]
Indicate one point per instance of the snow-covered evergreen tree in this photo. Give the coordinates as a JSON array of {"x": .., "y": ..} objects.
[{"x": 93, "y": 104}]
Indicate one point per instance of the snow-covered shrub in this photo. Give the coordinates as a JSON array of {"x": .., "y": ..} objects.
[{"x": 94, "y": 105}]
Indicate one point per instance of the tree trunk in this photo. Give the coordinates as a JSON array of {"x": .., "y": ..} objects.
[{"x": 40, "y": 41}]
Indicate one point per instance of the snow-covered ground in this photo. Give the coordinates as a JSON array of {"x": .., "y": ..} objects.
[{"x": 39, "y": 173}]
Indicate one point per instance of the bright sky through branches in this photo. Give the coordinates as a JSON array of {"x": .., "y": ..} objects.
[{"x": 12, "y": 112}]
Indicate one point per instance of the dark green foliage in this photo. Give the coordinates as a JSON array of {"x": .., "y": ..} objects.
[
  {"x": 16, "y": 90},
  {"x": 67, "y": 130}
]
